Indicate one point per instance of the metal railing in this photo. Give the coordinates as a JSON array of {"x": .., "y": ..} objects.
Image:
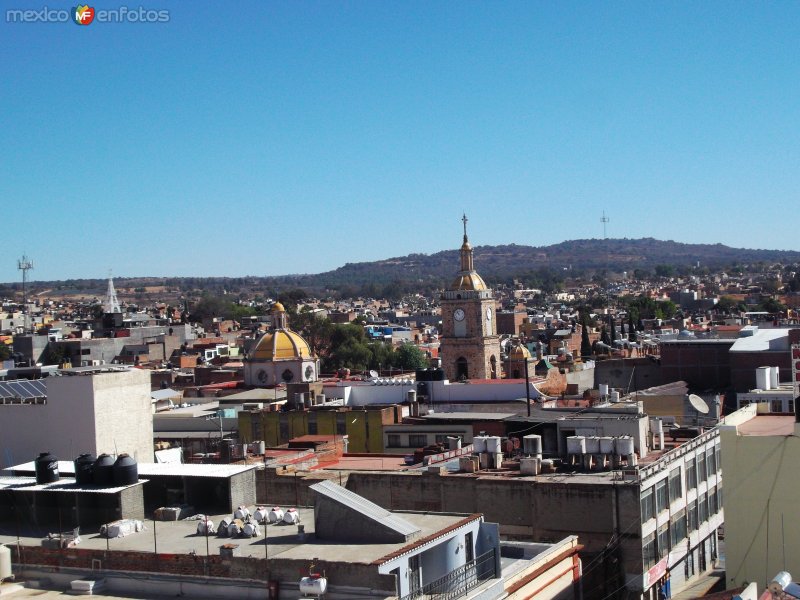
[{"x": 458, "y": 581}]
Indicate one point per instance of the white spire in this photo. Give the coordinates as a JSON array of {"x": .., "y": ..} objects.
[{"x": 112, "y": 304}]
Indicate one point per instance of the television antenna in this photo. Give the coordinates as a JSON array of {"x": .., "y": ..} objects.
[{"x": 604, "y": 220}]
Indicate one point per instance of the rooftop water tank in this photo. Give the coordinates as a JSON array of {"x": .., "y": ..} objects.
[
  {"x": 479, "y": 444},
  {"x": 260, "y": 515},
  {"x": 774, "y": 378},
  {"x": 291, "y": 517},
  {"x": 763, "y": 378},
  {"x": 593, "y": 445},
  {"x": 606, "y": 445},
  {"x": 125, "y": 470},
  {"x": 576, "y": 444},
  {"x": 241, "y": 513},
  {"x": 275, "y": 515},
  {"x": 84, "y": 469},
  {"x": 313, "y": 586},
  {"x": 46, "y": 468},
  {"x": 532, "y": 444},
  {"x": 493, "y": 445},
  {"x": 603, "y": 389},
  {"x": 103, "y": 472},
  {"x": 5, "y": 563},
  {"x": 624, "y": 445},
  {"x": 614, "y": 396}
]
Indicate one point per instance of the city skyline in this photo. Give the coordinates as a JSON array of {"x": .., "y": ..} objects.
[{"x": 280, "y": 139}]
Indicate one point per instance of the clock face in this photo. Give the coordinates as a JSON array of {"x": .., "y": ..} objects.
[
  {"x": 458, "y": 314},
  {"x": 309, "y": 372},
  {"x": 488, "y": 314}
]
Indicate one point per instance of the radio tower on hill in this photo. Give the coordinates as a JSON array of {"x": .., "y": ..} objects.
[
  {"x": 24, "y": 265},
  {"x": 112, "y": 304}
]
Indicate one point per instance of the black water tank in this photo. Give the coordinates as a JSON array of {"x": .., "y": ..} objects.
[
  {"x": 46, "y": 468},
  {"x": 104, "y": 470},
  {"x": 84, "y": 469},
  {"x": 126, "y": 471}
]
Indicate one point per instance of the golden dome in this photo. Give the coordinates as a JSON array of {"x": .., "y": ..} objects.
[
  {"x": 281, "y": 344},
  {"x": 278, "y": 307},
  {"x": 468, "y": 281},
  {"x": 519, "y": 352}
]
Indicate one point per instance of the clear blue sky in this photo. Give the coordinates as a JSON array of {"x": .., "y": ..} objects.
[{"x": 268, "y": 138}]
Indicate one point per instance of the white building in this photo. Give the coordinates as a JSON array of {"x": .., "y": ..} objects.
[{"x": 87, "y": 409}]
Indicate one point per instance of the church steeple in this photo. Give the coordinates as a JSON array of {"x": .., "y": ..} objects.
[{"x": 466, "y": 250}]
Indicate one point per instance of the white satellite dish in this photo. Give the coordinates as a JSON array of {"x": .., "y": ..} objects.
[
  {"x": 698, "y": 403},
  {"x": 373, "y": 374}
]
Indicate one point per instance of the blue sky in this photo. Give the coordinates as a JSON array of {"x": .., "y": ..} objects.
[{"x": 269, "y": 138}]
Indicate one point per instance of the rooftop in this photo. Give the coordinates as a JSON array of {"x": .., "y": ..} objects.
[
  {"x": 67, "y": 467},
  {"x": 763, "y": 425}
]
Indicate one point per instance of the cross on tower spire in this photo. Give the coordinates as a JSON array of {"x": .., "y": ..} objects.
[{"x": 464, "y": 219}]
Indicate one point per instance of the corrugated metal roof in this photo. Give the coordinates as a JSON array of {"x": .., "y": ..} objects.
[{"x": 364, "y": 507}]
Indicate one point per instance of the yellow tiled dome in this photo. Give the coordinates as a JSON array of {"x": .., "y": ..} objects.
[
  {"x": 278, "y": 307},
  {"x": 519, "y": 352},
  {"x": 468, "y": 281},
  {"x": 281, "y": 344}
]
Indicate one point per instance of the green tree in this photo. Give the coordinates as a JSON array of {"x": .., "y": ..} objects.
[
  {"x": 613, "y": 328},
  {"x": 727, "y": 305},
  {"x": 5, "y": 352},
  {"x": 604, "y": 336},
  {"x": 665, "y": 270},
  {"x": 771, "y": 305},
  {"x": 409, "y": 357},
  {"x": 586, "y": 345}
]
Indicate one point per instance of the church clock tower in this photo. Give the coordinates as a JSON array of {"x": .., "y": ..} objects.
[{"x": 470, "y": 346}]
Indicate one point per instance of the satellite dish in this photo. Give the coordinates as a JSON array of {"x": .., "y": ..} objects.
[
  {"x": 698, "y": 403},
  {"x": 373, "y": 374}
]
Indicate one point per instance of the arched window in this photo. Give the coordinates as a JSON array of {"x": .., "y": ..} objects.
[
  {"x": 461, "y": 368},
  {"x": 493, "y": 364}
]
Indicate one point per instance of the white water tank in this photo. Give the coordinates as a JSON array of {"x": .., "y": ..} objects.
[
  {"x": 657, "y": 426},
  {"x": 5, "y": 563},
  {"x": 576, "y": 444},
  {"x": 532, "y": 444},
  {"x": 593, "y": 445},
  {"x": 493, "y": 445},
  {"x": 479, "y": 444},
  {"x": 241, "y": 513},
  {"x": 292, "y": 517},
  {"x": 275, "y": 515},
  {"x": 205, "y": 526},
  {"x": 603, "y": 390},
  {"x": 529, "y": 466},
  {"x": 774, "y": 377},
  {"x": 234, "y": 529},
  {"x": 251, "y": 530},
  {"x": 260, "y": 515},
  {"x": 763, "y": 378},
  {"x": 614, "y": 396},
  {"x": 624, "y": 445},
  {"x": 606, "y": 445},
  {"x": 313, "y": 586},
  {"x": 223, "y": 527}
]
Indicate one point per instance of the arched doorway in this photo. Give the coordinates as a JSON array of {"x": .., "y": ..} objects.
[
  {"x": 493, "y": 367},
  {"x": 462, "y": 372}
]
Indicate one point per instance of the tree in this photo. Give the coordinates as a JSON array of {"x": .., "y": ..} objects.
[
  {"x": 727, "y": 305},
  {"x": 613, "y": 328},
  {"x": 5, "y": 352},
  {"x": 586, "y": 346},
  {"x": 409, "y": 357},
  {"x": 665, "y": 270},
  {"x": 604, "y": 336},
  {"x": 771, "y": 305},
  {"x": 631, "y": 328}
]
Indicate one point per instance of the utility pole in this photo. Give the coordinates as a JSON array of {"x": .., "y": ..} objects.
[
  {"x": 604, "y": 220},
  {"x": 24, "y": 264}
]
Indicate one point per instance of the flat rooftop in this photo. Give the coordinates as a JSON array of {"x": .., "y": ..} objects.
[
  {"x": 282, "y": 540},
  {"x": 28, "y": 484},
  {"x": 768, "y": 425},
  {"x": 67, "y": 467}
]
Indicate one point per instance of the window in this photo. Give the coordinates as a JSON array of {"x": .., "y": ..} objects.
[
  {"x": 702, "y": 508},
  {"x": 417, "y": 440},
  {"x": 776, "y": 406},
  {"x": 393, "y": 440},
  {"x": 691, "y": 516},
  {"x": 648, "y": 505},
  {"x": 709, "y": 463},
  {"x": 678, "y": 526},
  {"x": 649, "y": 553},
  {"x": 701, "y": 467},
  {"x": 790, "y": 403},
  {"x": 712, "y": 501},
  {"x": 720, "y": 506},
  {"x": 718, "y": 454},
  {"x": 675, "y": 484},
  {"x": 661, "y": 495},
  {"x": 691, "y": 475},
  {"x": 662, "y": 536}
]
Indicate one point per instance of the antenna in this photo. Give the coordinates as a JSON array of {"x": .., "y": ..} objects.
[
  {"x": 24, "y": 264},
  {"x": 112, "y": 304},
  {"x": 604, "y": 220}
]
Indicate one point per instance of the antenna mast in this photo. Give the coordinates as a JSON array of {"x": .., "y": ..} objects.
[
  {"x": 24, "y": 264},
  {"x": 604, "y": 220},
  {"x": 112, "y": 304}
]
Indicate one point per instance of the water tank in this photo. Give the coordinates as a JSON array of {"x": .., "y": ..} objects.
[
  {"x": 603, "y": 390},
  {"x": 261, "y": 514},
  {"x": 529, "y": 466},
  {"x": 223, "y": 527},
  {"x": 84, "y": 469},
  {"x": 774, "y": 377},
  {"x": 5, "y": 563},
  {"x": 291, "y": 517},
  {"x": 657, "y": 426},
  {"x": 261, "y": 447},
  {"x": 493, "y": 445},
  {"x": 205, "y": 527},
  {"x": 453, "y": 443},
  {"x": 606, "y": 445},
  {"x": 234, "y": 528},
  {"x": 614, "y": 396},
  {"x": 275, "y": 515},
  {"x": 624, "y": 445},
  {"x": 763, "y": 378},
  {"x": 125, "y": 470},
  {"x": 319, "y": 399},
  {"x": 532, "y": 444},
  {"x": 411, "y": 396},
  {"x": 46, "y": 468},
  {"x": 593, "y": 445},
  {"x": 313, "y": 585},
  {"x": 251, "y": 530},
  {"x": 576, "y": 444},
  {"x": 479, "y": 444},
  {"x": 241, "y": 513},
  {"x": 103, "y": 472}
]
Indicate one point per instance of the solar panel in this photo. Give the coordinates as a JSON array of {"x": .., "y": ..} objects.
[{"x": 23, "y": 389}]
